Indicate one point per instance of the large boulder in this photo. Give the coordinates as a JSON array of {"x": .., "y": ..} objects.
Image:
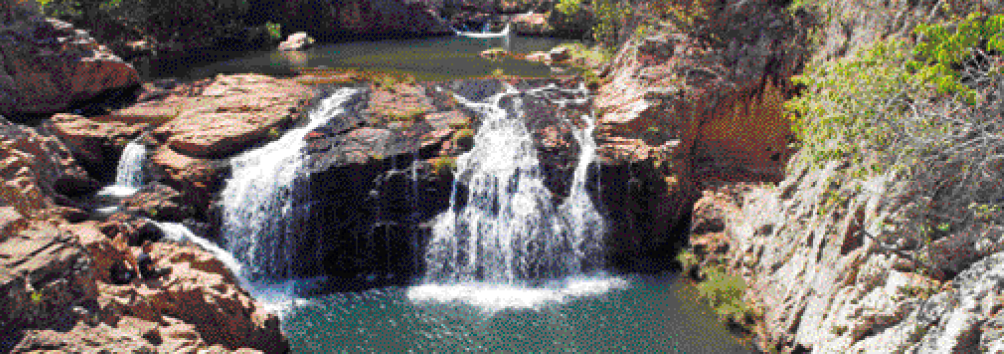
[
  {"x": 196, "y": 303},
  {"x": 296, "y": 41},
  {"x": 48, "y": 65},
  {"x": 38, "y": 170}
]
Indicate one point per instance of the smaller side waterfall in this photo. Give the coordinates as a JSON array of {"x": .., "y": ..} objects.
[
  {"x": 128, "y": 175},
  {"x": 129, "y": 172}
]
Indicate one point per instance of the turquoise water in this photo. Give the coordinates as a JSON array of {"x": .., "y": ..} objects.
[
  {"x": 436, "y": 58},
  {"x": 636, "y": 314}
]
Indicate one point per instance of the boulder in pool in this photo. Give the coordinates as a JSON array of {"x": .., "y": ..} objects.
[{"x": 296, "y": 41}]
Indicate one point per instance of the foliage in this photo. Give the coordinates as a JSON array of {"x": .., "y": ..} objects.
[
  {"x": 941, "y": 55},
  {"x": 927, "y": 112},
  {"x": 849, "y": 104},
  {"x": 568, "y": 7},
  {"x": 164, "y": 21},
  {"x": 443, "y": 165},
  {"x": 724, "y": 292},
  {"x": 610, "y": 18},
  {"x": 274, "y": 30}
]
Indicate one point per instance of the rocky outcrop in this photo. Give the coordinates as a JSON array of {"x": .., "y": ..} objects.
[
  {"x": 231, "y": 114},
  {"x": 201, "y": 123},
  {"x": 48, "y": 65},
  {"x": 47, "y": 279},
  {"x": 333, "y": 20},
  {"x": 676, "y": 109},
  {"x": 38, "y": 170},
  {"x": 196, "y": 305}
]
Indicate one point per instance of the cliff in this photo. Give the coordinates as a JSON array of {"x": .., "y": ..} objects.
[{"x": 835, "y": 258}]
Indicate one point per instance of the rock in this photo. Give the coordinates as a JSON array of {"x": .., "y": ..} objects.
[
  {"x": 494, "y": 54},
  {"x": 49, "y": 65},
  {"x": 197, "y": 179},
  {"x": 159, "y": 201},
  {"x": 38, "y": 170},
  {"x": 46, "y": 274},
  {"x": 93, "y": 142},
  {"x": 297, "y": 41},
  {"x": 231, "y": 114},
  {"x": 200, "y": 291},
  {"x": 560, "y": 54},
  {"x": 540, "y": 57},
  {"x": 531, "y": 24},
  {"x": 381, "y": 18},
  {"x": 135, "y": 230}
]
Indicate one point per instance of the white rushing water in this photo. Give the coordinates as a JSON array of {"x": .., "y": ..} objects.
[
  {"x": 264, "y": 202},
  {"x": 128, "y": 173},
  {"x": 509, "y": 231}
]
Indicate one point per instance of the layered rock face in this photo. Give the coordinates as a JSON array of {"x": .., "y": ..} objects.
[
  {"x": 677, "y": 108},
  {"x": 823, "y": 253},
  {"x": 48, "y": 65}
]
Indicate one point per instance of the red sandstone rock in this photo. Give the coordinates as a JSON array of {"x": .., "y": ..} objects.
[
  {"x": 233, "y": 113},
  {"x": 48, "y": 65}
]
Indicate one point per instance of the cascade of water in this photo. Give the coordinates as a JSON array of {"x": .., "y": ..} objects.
[
  {"x": 180, "y": 233},
  {"x": 128, "y": 175},
  {"x": 265, "y": 202},
  {"x": 509, "y": 230},
  {"x": 129, "y": 172}
]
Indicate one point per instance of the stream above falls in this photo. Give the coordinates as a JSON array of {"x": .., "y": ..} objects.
[{"x": 435, "y": 58}]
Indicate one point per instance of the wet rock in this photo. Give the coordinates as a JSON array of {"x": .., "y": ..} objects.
[
  {"x": 296, "y": 41},
  {"x": 49, "y": 65}
]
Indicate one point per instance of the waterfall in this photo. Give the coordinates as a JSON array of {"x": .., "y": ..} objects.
[
  {"x": 129, "y": 172},
  {"x": 509, "y": 231},
  {"x": 180, "y": 233},
  {"x": 265, "y": 201},
  {"x": 128, "y": 175}
]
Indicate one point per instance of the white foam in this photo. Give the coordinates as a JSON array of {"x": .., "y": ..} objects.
[
  {"x": 492, "y": 297},
  {"x": 117, "y": 191}
]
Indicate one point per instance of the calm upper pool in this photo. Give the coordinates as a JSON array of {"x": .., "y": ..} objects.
[{"x": 437, "y": 58}]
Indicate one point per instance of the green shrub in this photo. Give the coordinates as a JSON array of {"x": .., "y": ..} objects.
[
  {"x": 443, "y": 165},
  {"x": 941, "y": 54},
  {"x": 724, "y": 292},
  {"x": 274, "y": 30}
]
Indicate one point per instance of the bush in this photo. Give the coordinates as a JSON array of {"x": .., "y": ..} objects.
[
  {"x": 928, "y": 112},
  {"x": 724, "y": 292}
]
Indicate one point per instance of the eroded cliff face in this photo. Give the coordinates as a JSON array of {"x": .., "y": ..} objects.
[
  {"x": 679, "y": 107},
  {"x": 803, "y": 245}
]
